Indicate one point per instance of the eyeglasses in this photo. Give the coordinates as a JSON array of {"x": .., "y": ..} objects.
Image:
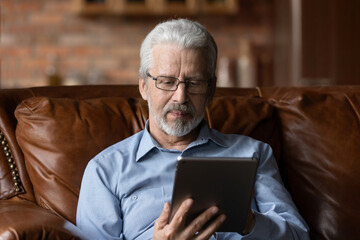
[{"x": 171, "y": 84}]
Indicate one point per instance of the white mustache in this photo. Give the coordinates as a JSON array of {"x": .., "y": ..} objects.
[{"x": 178, "y": 107}]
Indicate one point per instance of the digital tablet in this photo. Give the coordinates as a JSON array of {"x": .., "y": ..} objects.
[{"x": 220, "y": 181}]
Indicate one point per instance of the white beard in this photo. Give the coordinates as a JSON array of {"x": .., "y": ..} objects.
[{"x": 180, "y": 127}]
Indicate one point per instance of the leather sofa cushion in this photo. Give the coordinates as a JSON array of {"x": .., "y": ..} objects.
[
  {"x": 251, "y": 116},
  {"x": 321, "y": 151},
  {"x": 58, "y": 137},
  {"x": 240, "y": 115},
  {"x": 22, "y": 219}
]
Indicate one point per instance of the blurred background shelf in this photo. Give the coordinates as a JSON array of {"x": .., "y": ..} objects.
[
  {"x": 155, "y": 7},
  {"x": 260, "y": 42}
]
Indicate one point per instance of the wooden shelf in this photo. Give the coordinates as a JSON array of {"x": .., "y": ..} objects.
[
  {"x": 219, "y": 6},
  {"x": 155, "y": 7},
  {"x": 89, "y": 8}
]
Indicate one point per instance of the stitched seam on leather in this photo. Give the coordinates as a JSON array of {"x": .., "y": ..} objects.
[
  {"x": 353, "y": 106},
  {"x": 44, "y": 203},
  {"x": 32, "y": 92},
  {"x": 259, "y": 91}
]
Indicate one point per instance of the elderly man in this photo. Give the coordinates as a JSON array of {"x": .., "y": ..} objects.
[{"x": 126, "y": 189}]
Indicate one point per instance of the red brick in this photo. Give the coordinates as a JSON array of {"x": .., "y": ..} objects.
[
  {"x": 46, "y": 19},
  {"x": 27, "y": 6},
  {"x": 36, "y": 29}
]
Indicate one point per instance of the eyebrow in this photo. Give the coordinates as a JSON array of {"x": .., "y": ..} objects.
[{"x": 195, "y": 77}]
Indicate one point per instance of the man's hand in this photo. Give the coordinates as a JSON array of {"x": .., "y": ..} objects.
[{"x": 176, "y": 229}]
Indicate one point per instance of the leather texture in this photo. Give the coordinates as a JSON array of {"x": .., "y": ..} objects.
[
  {"x": 58, "y": 137},
  {"x": 52, "y": 132},
  {"x": 25, "y": 220}
]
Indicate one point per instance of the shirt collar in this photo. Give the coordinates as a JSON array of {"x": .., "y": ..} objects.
[
  {"x": 207, "y": 134},
  {"x": 147, "y": 142}
]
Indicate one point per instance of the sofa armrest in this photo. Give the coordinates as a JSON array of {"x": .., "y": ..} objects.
[{"x": 25, "y": 220}]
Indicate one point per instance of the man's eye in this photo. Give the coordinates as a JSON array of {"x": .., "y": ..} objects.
[
  {"x": 194, "y": 83},
  {"x": 166, "y": 81}
]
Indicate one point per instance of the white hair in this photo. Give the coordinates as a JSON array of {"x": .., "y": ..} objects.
[{"x": 184, "y": 33}]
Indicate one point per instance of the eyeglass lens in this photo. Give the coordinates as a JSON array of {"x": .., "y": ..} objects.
[{"x": 171, "y": 84}]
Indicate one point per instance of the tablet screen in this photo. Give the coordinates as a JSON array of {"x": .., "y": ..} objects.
[{"x": 221, "y": 181}]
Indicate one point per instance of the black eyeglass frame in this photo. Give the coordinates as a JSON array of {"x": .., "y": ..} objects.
[{"x": 178, "y": 83}]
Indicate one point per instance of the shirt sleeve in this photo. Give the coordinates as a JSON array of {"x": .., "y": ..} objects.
[
  {"x": 98, "y": 211},
  {"x": 276, "y": 216}
]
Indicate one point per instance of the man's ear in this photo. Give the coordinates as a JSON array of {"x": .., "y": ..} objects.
[{"x": 143, "y": 88}]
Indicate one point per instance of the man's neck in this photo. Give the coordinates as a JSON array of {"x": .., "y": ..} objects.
[{"x": 173, "y": 142}]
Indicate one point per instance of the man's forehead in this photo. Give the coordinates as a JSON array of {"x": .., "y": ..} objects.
[{"x": 166, "y": 57}]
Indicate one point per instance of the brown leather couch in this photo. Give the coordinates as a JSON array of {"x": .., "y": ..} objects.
[{"x": 48, "y": 134}]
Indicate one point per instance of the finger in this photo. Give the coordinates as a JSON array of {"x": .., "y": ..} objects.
[
  {"x": 163, "y": 218},
  {"x": 211, "y": 229},
  {"x": 198, "y": 223},
  {"x": 181, "y": 213}
]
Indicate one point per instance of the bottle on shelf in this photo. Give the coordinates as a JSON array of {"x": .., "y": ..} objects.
[
  {"x": 52, "y": 72},
  {"x": 246, "y": 65}
]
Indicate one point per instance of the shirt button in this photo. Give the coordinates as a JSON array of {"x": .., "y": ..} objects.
[{"x": 134, "y": 197}]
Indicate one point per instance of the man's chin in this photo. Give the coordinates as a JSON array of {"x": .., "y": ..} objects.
[
  {"x": 179, "y": 128},
  {"x": 177, "y": 123}
]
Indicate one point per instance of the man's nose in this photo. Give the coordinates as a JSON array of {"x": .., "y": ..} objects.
[{"x": 181, "y": 94}]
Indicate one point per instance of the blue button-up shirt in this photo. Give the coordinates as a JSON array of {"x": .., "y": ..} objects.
[{"x": 124, "y": 188}]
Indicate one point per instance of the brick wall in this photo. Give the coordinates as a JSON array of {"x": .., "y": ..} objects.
[{"x": 33, "y": 32}]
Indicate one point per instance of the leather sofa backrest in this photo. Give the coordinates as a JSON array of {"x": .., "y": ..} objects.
[
  {"x": 12, "y": 163},
  {"x": 320, "y": 160},
  {"x": 314, "y": 133},
  {"x": 58, "y": 137}
]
